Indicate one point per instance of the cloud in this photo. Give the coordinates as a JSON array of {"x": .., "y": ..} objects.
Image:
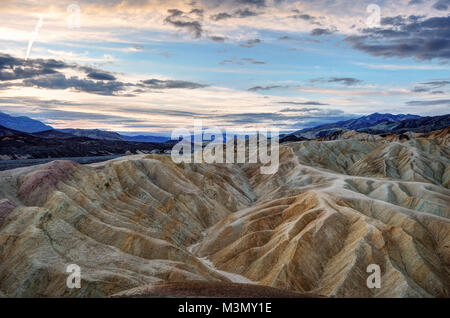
[
  {"x": 306, "y": 17},
  {"x": 420, "y": 90},
  {"x": 217, "y": 38},
  {"x": 49, "y": 74},
  {"x": 442, "y": 5},
  {"x": 102, "y": 76},
  {"x": 437, "y": 83},
  {"x": 407, "y": 37},
  {"x": 286, "y": 38},
  {"x": 12, "y": 68},
  {"x": 160, "y": 84},
  {"x": 429, "y": 102},
  {"x": 60, "y": 81},
  {"x": 348, "y": 81},
  {"x": 257, "y": 3},
  {"x": 320, "y": 32},
  {"x": 266, "y": 88},
  {"x": 287, "y": 118},
  {"x": 311, "y": 103},
  {"x": 431, "y": 87},
  {"x": 245, "y": 13},
  {"x": 178, "y": 19},
  {"x": 198, "y": 12},
  {"x": 135, "y": 48},
  {"x": 242, "y": 61},
  {"x": 250, "y": 43},
  {"x": 317, "y": 112},
  {"x": 44, "y": 73},
  {"x": 395, "y": 67},
  {"x": 220, "y": 16},
  {"x": 252, "y": 61},
  {"x": 240, "y": 13}
]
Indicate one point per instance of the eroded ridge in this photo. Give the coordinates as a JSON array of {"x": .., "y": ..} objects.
[{"x": 333, "y": 208}]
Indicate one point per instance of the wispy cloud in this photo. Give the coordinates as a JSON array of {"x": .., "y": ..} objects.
[{"x": 395, "y": 67}]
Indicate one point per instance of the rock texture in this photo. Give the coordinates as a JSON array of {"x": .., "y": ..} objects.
[{"x": 139, "y": 222}]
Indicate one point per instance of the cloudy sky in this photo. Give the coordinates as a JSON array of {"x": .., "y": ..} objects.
[{"x": 151, "y": 66}]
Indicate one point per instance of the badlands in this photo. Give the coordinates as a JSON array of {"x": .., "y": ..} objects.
[{"x": 138, "y": 223}]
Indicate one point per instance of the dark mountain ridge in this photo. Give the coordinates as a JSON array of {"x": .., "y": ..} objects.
[
  {"x": 378, "y": 124},
  {"x": 19, "y": 145}
]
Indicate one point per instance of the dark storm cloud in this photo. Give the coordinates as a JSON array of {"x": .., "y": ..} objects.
[
  {"x": 161, "y": 84},
  {"x": 178, "y": 19},
  {"x": 429, "y": 102},
  {"x": 423, "y": 39}
]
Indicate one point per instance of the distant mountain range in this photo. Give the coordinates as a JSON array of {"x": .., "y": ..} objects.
[
  {"x": 375, "y": 124},
  {"x": 56, "y": 144},
  {"x": 28, "y": 125},
  {"x": 372, "y": 124},
  {"x": 142, "y": 138},
  {"x": 94, "y": 134},
  {"x": 22, "y": 123}
]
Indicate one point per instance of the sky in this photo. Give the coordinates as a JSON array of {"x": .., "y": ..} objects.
[{"x": 149, "y": 66}]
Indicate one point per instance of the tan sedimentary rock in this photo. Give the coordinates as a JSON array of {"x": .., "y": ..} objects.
[{"x": 332, "y": 209}]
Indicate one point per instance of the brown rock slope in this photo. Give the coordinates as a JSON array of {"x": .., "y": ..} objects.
[{"x": 333, "y": 208}]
